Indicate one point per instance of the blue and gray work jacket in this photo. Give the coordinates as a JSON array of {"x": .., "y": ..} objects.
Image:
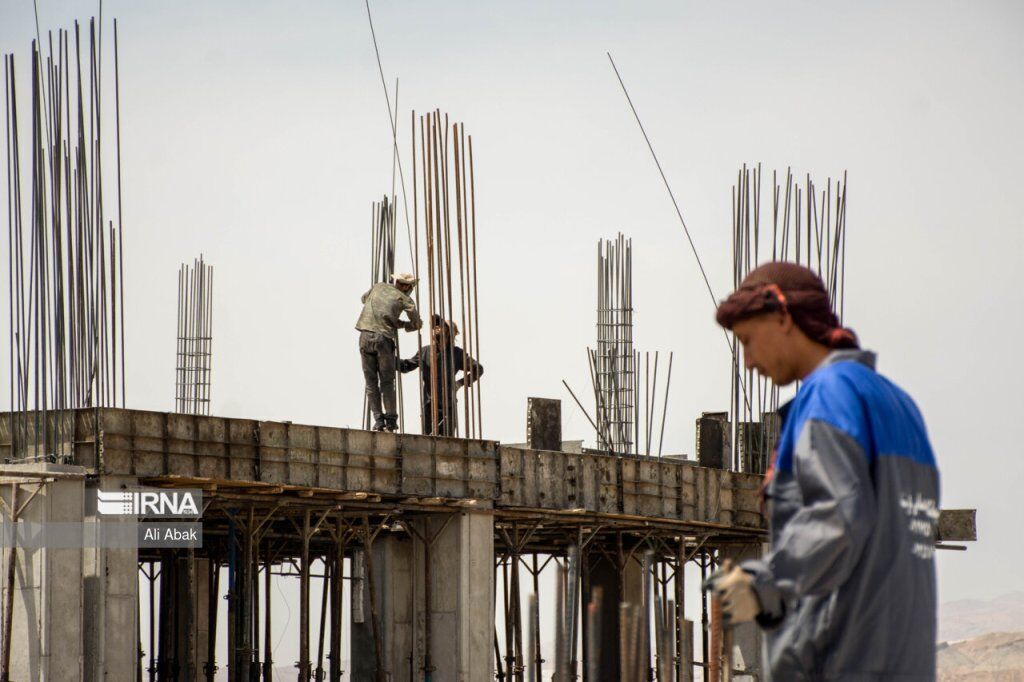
[{"x": 848, "y": 589}]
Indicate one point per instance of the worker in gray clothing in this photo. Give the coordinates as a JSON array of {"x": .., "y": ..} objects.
[
  {"x": 847, "y": 590},
  {"x": 439, "y": 363},
  {"x": 378, "y": 327}
]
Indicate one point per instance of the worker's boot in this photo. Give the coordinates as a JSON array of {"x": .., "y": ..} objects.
[
  {"x": 380, "y": 422},
  {"x": 391, "y": 422}
]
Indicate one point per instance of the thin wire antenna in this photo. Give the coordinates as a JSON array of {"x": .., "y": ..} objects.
[
  {"x": 394, "y": 137},
  {"x": 672, "y": 196}
]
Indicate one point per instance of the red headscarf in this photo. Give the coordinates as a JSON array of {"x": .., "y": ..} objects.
[{"x": 787, "y": 287}]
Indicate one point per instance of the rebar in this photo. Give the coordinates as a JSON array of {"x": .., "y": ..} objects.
[
  {"x": 445, "y": 154},
  {"x": 616, "y": 371},
  {"x": 808, "y": 228},
  {"x": 195, "y": 338},
  {"x": 383, "y": 243},
  {"x": 65, "y": 255}
]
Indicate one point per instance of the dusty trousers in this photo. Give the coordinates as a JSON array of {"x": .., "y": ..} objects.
[{"x": 377, "y": 353}]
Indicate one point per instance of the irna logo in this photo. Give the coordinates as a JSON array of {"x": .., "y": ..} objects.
[{"x": 149, "y": 503}]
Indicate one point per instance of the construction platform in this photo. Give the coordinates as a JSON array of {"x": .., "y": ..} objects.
[{"x": 423, "y": 530}]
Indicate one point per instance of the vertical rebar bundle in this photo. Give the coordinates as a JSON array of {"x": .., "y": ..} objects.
[
  {"x": 614, "y": 360},
  {"x": 626, "y": 402},
  {"x": 195, "y": 338},
  {"x": 808, "y": 227},
  {"x": 65, "y": 256},
  {"x": 382, "y": 241},
  {"x": 448, "y": 216},
  {"x": 382, "y": 267}
]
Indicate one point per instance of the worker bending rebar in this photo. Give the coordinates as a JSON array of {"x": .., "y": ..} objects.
[
  {"x": 847, "y": 590},
  {"x": 378, "y": 327},
  {"x": 440, "y": 408}
]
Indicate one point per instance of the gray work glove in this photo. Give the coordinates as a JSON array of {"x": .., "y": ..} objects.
[{"x": 735, "y": 588}]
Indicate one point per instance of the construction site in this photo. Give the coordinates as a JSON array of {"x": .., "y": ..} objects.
[{"x": 428, "y": 551}]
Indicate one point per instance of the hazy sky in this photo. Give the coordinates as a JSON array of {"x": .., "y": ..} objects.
[{"x": 257, "y": 134}]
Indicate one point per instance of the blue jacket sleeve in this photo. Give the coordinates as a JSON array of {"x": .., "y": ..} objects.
[{"x": 820, "y": 544}]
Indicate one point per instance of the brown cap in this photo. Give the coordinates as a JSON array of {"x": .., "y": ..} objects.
[{"x": 787, "y": 287}]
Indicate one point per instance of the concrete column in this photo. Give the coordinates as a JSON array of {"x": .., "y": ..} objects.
[
  {"x": 613, "y": 592},
  {"x": 461, "y": 608},
  {"x": 111, "y": 597},
  {"x": 46, "y": 626},
  {"x": 747, "y": 640},
  {"x": 200, "y": 619},
  {"x": 392, "y": 567}
]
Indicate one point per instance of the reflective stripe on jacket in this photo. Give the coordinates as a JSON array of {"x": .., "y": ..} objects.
[{"x": 848, "y": 588}]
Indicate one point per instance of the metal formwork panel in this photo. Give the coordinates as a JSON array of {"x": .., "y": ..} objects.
[
  {"x": 687, "y": 490},
  {"x": 551, "y": 480},
  {"x": 64, "y": 431},
  {"x": 482, "y": 467},
  {"x": 155, "y": 444},
  {"x": 650, "y": 487},
  {"x": 582, "y": 477},
  {"x": 707, "y": 489},
  {"x": 448, "y": 467},
  {"x": 611, "y": 492},
  {"x": 372, "y": 462},
  {"x": 211, "y": 448},
  {"x": 242, "y": 441},
  {"x": 518, "y": 477},
  {"x": 331, "y": 470},
  {"x": 134, "y": 443},
  {"x": 745, "y": 499},
  {"x": 296, "y": 445},
  {"x": 558, "y": 480}
]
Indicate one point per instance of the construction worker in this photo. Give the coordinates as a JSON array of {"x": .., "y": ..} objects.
[
  {"x": 440, "y": 416},
  {"x": 378, "y": 327},
  {"x": 847, "y": 590}
]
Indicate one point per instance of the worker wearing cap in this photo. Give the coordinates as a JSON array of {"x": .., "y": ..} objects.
[
  {"x": 378, "y": 327},
  {"x": 440, "y": 416},
  {"x": 847, "y": 590}
]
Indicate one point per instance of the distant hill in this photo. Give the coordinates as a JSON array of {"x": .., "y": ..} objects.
[
  {"x": 959, "y": 620},
  {"x": 995, "y": 657}
]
